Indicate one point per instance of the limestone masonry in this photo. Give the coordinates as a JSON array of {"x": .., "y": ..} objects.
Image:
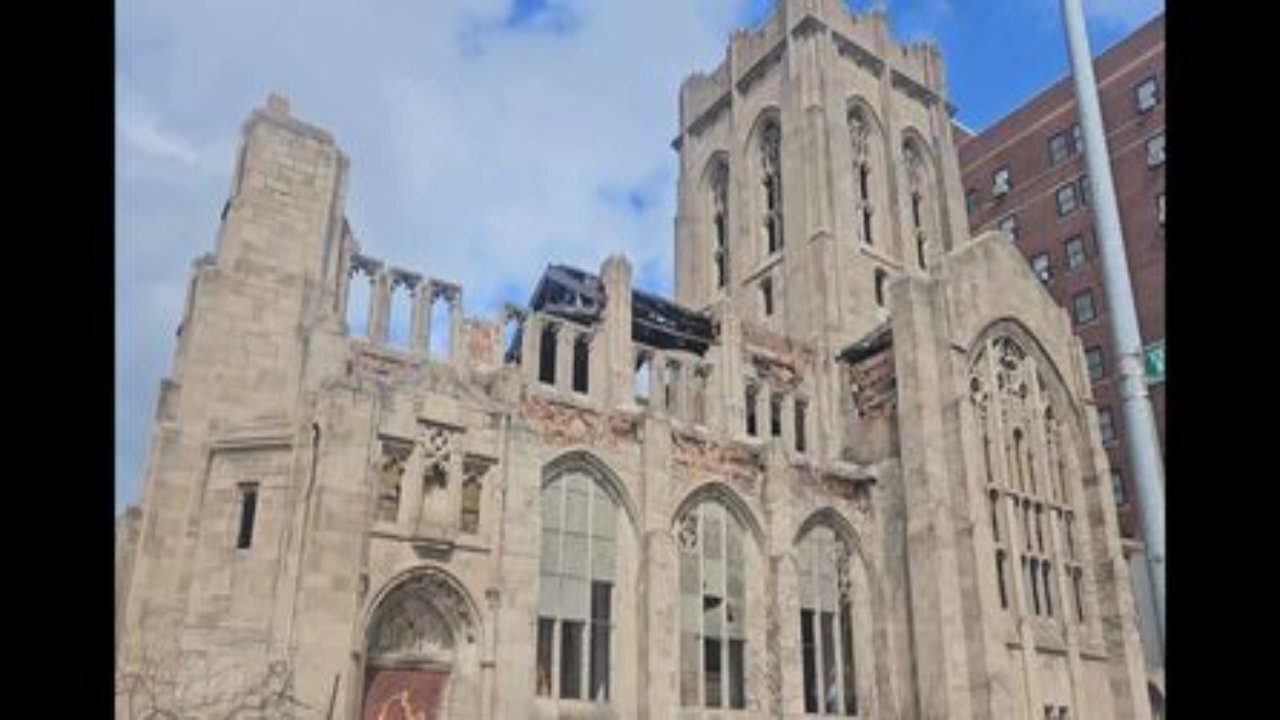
[{"x": 853, "y": 468}]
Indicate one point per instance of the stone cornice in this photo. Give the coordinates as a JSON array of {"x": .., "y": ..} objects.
[{"x": 859, "y": 55}]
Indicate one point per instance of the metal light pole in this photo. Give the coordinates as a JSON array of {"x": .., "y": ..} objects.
[{"x": 1140, "y": 425}]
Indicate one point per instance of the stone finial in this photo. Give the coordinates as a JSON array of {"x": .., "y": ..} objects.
[{"x": 277, "y": 104}]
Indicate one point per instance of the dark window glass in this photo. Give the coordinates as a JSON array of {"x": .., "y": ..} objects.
[
  {"x": 547, "y": 356},
  {"x": 580, "y": 349},
  {"x": 546, "y": 632},
  {"x": 737, "y": 685},
  {"x": 846, "y": 659},
  {"x": 809, "y": 652},
  {"x": 571, "y": 659},
  {"x": 711, "y": 667},
  {"x": 801, "y": 407}
]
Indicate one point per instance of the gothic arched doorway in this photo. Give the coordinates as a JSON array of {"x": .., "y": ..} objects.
[{"x": 419, "y": 645}]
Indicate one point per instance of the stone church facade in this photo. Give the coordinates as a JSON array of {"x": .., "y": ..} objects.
[{"x": 853, "y": 469}]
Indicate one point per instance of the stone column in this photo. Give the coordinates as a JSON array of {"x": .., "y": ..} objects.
[
  {"x": 659, "y": 652},
  {"x": 614, "y": 342},
  {"x": 566, "y": 337},
  {"x": 658, "y": 382},
  {"x": 379, "y": 305},
  {"x": 530, "y": 346},
  {"x": 415, "y": 318},
  {"x": 457, "y": 343}
]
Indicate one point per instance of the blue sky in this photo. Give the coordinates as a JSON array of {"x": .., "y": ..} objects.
[{"x": 487, "y": 137}]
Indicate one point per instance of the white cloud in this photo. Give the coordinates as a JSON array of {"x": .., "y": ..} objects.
[{"x": 475, "y": 162}]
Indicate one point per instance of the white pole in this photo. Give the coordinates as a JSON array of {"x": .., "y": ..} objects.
[{"x": 1140, "y": 426}]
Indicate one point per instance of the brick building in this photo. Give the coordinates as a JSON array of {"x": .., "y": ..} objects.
[{"x": 1026, "y": 175}]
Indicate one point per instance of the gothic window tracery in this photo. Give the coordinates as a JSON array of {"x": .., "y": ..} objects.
[
  {"x": 720, "y": 221},
  {"x": 860, "y": 142},
  {"x": 1016, "y": 409},
  {"x": 771, "y": 180}
]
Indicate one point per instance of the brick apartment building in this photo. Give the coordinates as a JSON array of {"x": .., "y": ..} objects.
[{"x": 1026, "y": 175}]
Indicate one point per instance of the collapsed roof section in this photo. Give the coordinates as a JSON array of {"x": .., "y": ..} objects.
[{"x": 579, "y": 296}]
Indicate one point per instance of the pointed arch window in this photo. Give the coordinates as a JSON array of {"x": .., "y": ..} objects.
[
  {"x": 575, "y": 593},
  {"x": 826, "y": 624},
  {"x": 771, "y": 181},
  {"x": 712, "y": 608},
  {"x": 859, "y": 136},
  {"x": 720, "y": 221}
]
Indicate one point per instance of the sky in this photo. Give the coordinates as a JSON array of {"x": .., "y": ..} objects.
[{"x": 487, "y": 138}]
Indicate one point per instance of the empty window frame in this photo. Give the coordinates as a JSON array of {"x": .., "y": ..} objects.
[
  {"x": 771, "y": 182},
  {"x": 1106, "y": 425},
  {"x": 1155, "y": 150},
  {"x": 248, "y": 493},
  {"x": 802, "y": 409},
  {"x": 1066, "y": 198},
  {"x": 751, "y": 399},
  {"x": 1082, "y": 307},
  {"x": 1042, "y": 267},
  {"x": 1001, "y": 183},
  {"x": 1096, "y": 363},
  {"x": 775, "y": 415},
  {"x": 712, "y": 580},
  {"x": 826, "y": 625},
  {"x": 1076, "y": 254},
  {"x": 1009, "y": 225},
  {"x": 547, "y": 355},
  {"x": 1147, "y": 94},
  {"x": 581, "y": 363},
  {"x": 575, "y": 592}
]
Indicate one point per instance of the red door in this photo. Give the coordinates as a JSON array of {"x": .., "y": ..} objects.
[{"x": 404, "y": 694}]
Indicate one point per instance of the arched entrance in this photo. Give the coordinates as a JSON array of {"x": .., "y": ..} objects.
[{"x": 419, "y": 642}]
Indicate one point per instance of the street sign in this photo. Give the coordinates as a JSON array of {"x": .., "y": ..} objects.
[{"x": 1153, "y": 360}]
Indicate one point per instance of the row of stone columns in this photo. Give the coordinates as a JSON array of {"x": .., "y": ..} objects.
[{"x": 423, "y": 295}]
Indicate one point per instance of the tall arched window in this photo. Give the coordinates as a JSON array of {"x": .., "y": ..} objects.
[
  {"x": 720, "y": 221},
  {"x": 1018, "y": 406},
  {"x": 918, "y": 180},
  {"x": 575, "y": 600},
  {"x": 712, "y": 608},
  {"x": 859, "y": 136},
  {"x": 826, "y": 624},
  {"x": 771, "y": 183}
]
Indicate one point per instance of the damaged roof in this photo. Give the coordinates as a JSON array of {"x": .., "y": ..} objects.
[
  {"x": 579, "y": 296},
  {"x": 878, "y": 339}
]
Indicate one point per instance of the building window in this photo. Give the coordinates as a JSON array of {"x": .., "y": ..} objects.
[
  {"x": 1147, "y": 94},
  {"x": 770, "y": 155},
  {"x": 1066, "y": 196},
  {"x": 970, "y": 201},
  {"x": 581, "y": 349},
  {"x": 1059, "y": 149},
  {"x": 1155, "y": 151},
  {"x": 1093, "y": 358},
  {"x": 470, "y": 505},
  {"x": 1084, "y": 190},
  {"x": 248, "y": 511},
  {"x": 1041, "y": 266},
  {"x": 576, "y": 588},
  {"x": 1160, "y": 209},
  {"x": 826, "y": 624},
  {"x": 775, "y": 415},
  {"x": 766, "y": 296},
  {"x": 547, "y": 355},
  {"x": 1009, "y": 226},
  {"x": 1106, "y": 425},
  {"x": 1082, "y": 304},
  {"x": 1117, "y": 488},
  {"x": 860, "y": 141},
  {"x": 1077, "y": 139},
  {"x": 801, "y": 412},
  {"x": 1075, "y": 252},
  {"x": 712, "y": 608},
  {"x": 1000, "y": 182},
  {"x": 881, "y": 278},
  {"x": 752, "y": 394},
  {"x": 720, "y": 221}
]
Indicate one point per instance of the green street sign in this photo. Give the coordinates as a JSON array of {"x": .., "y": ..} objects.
[{"x": 1153, "y": 359}]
